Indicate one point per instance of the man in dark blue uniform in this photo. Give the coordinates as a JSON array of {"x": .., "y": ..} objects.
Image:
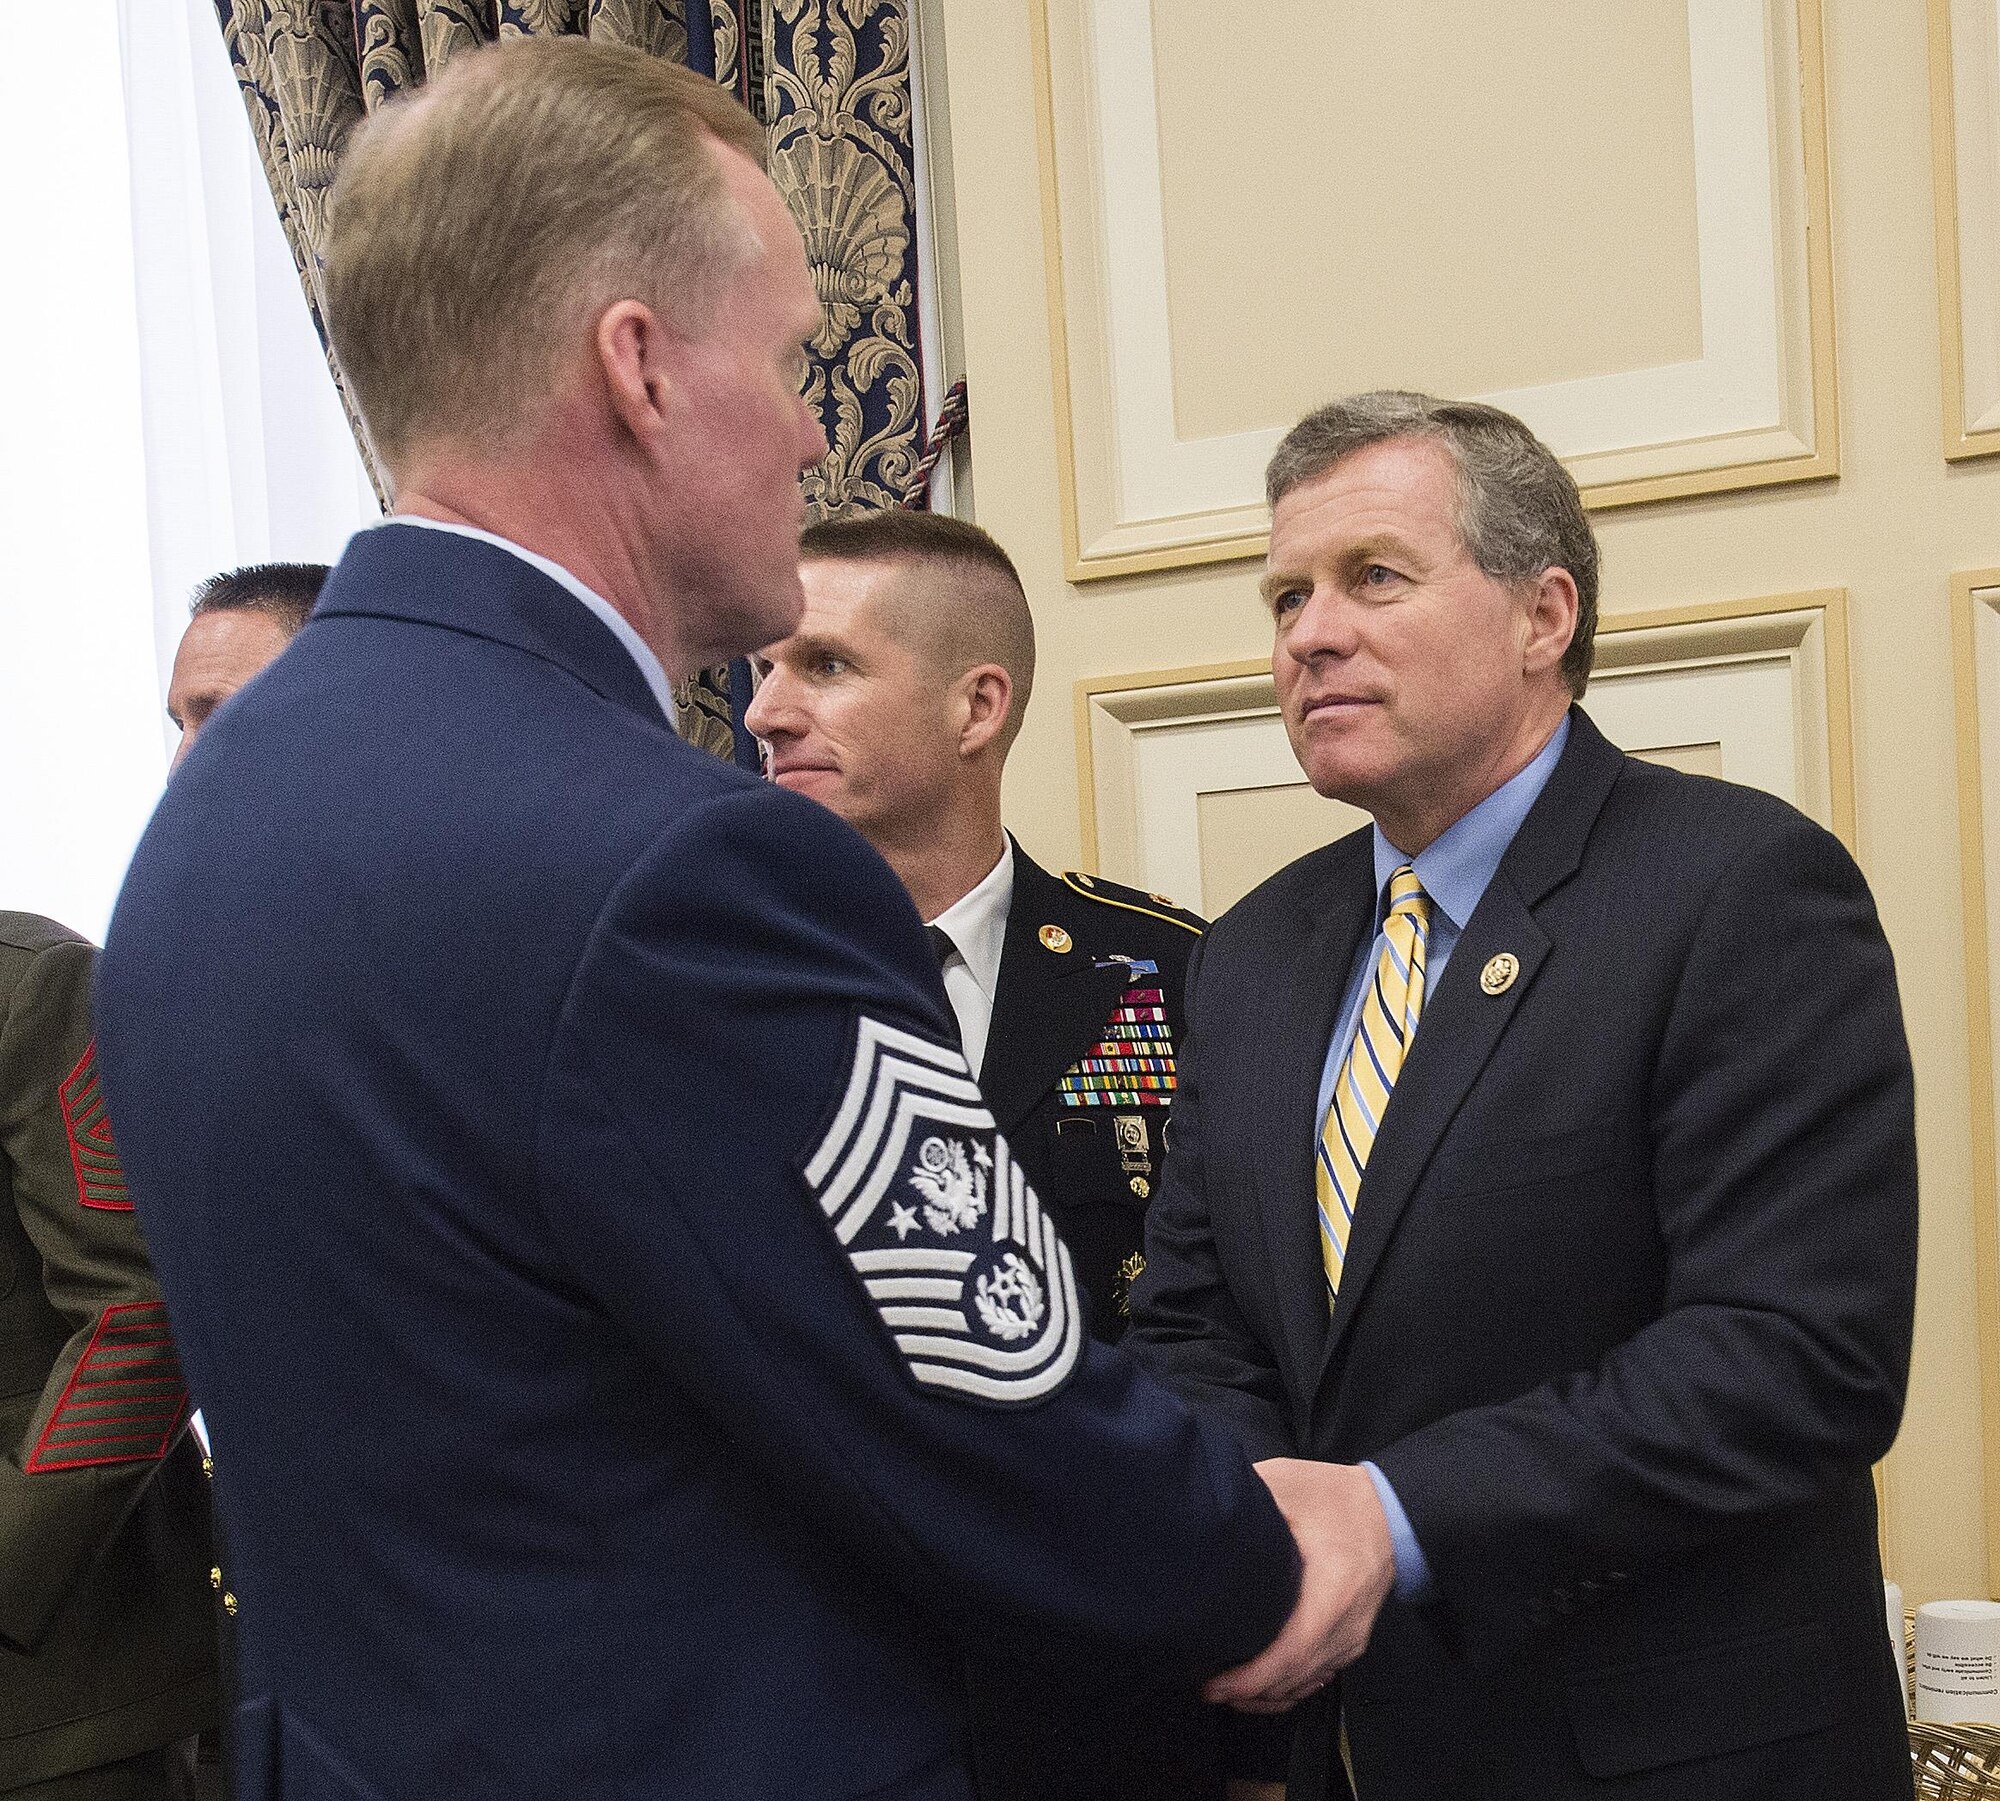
[
  {"x": 636, "y": 1363},
  {"x": 894, "y": 704}
]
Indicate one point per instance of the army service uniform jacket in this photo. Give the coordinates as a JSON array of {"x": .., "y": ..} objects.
[
  {"x": 636, "y": 1365},
  {"x": 106, "y": 1645},
  {"x": 1080, "y": 1062},
  {"x": 1080, "y": 1068}
]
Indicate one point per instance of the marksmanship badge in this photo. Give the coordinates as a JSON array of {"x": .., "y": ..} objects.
[{"x": 941, "y": 1226}]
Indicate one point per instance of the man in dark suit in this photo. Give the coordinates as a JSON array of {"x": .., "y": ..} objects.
[
  {"x": 1542, "y": 1211},
  {"x": 107, "y": 1655},
  {"x": 636, "y": 1363},
  {"x": 895, "y": 703}
]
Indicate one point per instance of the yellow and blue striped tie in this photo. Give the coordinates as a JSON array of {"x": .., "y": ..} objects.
[{"x": 1388, "y": 1022}]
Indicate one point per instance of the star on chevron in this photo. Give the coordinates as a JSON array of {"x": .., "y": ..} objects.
[{"x": 902, "y": 1220}]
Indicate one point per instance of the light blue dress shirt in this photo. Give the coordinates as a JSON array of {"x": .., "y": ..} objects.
[{"x": 1455, "y": 871}]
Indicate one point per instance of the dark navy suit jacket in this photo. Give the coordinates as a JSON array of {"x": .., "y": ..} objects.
[
  {"x": 484, "y": 1062},
  {"x": 1626, "y": 1311}
]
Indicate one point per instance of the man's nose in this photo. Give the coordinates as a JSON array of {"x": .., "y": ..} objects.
[
  {"x": 1325, "y": 625},
  {"x": 766, "y": 712},
  {"x": 812, "y": 437}
]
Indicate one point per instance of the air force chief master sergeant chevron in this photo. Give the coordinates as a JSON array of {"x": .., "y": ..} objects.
[{"x": 636, "y": 1364}]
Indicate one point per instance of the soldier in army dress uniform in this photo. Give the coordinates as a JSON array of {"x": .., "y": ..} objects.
[
  {"x": 1080, "y": 1060},
  {"x": 895, "y": 704},
  {"x": 106, "y": 1646}
]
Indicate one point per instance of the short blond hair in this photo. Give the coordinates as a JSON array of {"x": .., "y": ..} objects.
[{"x": 476, "y": 226}]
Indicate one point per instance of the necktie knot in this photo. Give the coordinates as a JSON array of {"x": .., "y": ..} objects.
[
  {"x": 1407, "y": 899},
  {"x": 942, "y": 946}
]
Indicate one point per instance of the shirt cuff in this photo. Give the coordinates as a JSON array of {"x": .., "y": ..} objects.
[{"x": 1413, "y": 1574}]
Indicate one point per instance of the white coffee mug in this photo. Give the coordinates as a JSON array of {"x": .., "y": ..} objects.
[{"x": 1958, "y": 1662}]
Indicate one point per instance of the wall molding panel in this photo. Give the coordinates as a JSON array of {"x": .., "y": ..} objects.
[
  {"x": 1755, "y": 691},
  {"x": 1965, "y": 170},
  {"x": 1975, "y": 607},
  {"x": 1754, "y": 405}
]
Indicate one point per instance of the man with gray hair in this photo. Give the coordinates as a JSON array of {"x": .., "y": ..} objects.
[
  {"x": 636, "y": 1363},
  {"x": 1543, "y": 1199}
]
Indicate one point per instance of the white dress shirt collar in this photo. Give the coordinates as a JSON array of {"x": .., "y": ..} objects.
[
  {"x": 620, "y": 627},
  {"x": 977, "y": 925}
]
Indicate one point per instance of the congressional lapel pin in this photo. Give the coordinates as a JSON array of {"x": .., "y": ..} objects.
[
  {"x": 1054, "y": 938},
  {"x": 1498, "y": 975}
]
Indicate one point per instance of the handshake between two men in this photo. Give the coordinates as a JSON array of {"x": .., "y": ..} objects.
[{"x": 638, "y": 1359}]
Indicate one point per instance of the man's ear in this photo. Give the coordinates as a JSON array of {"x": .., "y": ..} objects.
[
  {"x": 988, "y": 692},
  {"x": 1551, "y": 620},
  {"x": 632, "y": 352}
]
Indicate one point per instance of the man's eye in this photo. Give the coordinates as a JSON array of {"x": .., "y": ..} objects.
[
  {"x": 829, "y": 666},
  {"x": 1287, "y": 601},
  {"x": 1377, "y": 575}
]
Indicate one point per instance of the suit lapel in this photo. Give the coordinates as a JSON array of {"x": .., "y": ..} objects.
[
  {"x": 1463, "y": 1024},
  {"x": 1048, "y": 1006},
  {"x": 1303, "y": 1016}
]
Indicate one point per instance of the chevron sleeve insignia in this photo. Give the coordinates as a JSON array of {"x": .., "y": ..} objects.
[
  {"x": 100, "y": 1177},
  {"x": 939, "y": 1222},
  {"x": 125, "y": 1399}
]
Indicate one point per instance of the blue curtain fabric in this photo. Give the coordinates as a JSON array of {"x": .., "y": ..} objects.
[{"x": 831, "y": 81}]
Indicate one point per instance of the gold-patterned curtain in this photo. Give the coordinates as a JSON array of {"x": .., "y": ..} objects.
[{"x": 831, "y": 81}]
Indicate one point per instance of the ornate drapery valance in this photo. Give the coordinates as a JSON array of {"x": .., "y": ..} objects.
[{"x": 829, "y": 78}]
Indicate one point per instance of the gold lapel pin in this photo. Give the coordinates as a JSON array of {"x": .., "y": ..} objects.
[
  {"x": 1054, "y": 938},
  {"x": 1498, "y": 975}
]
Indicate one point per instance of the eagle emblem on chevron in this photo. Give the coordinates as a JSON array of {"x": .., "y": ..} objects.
[
  {"x": 941, "y": 1226},
  {"x": 952, "y": 1183}
]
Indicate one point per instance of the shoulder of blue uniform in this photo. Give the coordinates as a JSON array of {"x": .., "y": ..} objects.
[{"x": 1116, "y": 896}]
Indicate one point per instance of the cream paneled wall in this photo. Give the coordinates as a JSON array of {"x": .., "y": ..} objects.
[{"x": 1891, "y": 531}]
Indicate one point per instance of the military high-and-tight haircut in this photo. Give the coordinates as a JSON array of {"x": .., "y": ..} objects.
[
  {"x": 1519, "y": 512},
  {"x": 477, "y": 225},
  {"x": 283, "y": 592},
  {"x": 981, "y": 614}
]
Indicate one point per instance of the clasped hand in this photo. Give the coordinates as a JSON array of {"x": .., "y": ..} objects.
[{"x": 1349, "y": 1569}]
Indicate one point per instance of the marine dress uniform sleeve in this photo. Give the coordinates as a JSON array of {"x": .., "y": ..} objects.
[
  {"x": 91, "y": 1396},
  {"x": 804, "y": 1212}
]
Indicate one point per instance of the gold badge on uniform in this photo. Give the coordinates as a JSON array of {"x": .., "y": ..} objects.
[
  {"x": 1498, "y": 975},
  {"x": 1133, "y": 1139},
  {"x": 1140, "y": 1186},
  {"x": 1129, "y": 1272},
  {"x": 1054, "y": 938}
]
